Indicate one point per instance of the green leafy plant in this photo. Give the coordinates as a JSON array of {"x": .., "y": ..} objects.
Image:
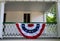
[{"x": 51, "y": 15}]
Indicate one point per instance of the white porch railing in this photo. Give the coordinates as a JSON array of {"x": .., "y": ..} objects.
[{"x": 10, "y": 30}]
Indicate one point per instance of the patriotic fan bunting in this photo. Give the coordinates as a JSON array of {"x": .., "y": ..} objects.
[{"x": 30, "y": 31}]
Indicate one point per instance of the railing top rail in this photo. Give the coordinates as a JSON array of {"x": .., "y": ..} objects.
[{"x": 30, "y": 22}]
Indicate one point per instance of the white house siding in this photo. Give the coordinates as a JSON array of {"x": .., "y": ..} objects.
[
  {"x": 18, "y": 16},
  {"x": 36, "y": 9}
]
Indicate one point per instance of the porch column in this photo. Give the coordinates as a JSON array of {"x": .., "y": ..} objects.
[
  {"x": 58, "y": 18},
  {"x": 1, "y": 17}
]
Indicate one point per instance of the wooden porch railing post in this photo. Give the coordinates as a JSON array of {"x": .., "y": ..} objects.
[
  {"x": 1, "y": 17},
  {"x": 58, "y": 17}
]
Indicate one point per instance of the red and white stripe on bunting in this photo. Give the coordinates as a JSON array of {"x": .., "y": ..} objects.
[{"x": 30, "y": 31}]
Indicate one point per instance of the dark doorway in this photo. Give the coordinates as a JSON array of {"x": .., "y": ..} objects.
[
  {"x": 26, "y": 17},
  {"x": 4, "y": 20}
]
